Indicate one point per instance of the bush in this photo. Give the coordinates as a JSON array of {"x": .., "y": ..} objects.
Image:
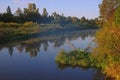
[
  {"x": 10, "y": 31},
  {"x": 28, "y": 24},
  {"x": 2, "y": 24},
  {"x": 83, "y": 63},
  {"x": 74, "y": 58}
]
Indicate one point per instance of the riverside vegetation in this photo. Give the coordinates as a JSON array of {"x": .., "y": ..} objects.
[
  {"x": 23, "y": 24},
  {"x": 106, "y": 54}
]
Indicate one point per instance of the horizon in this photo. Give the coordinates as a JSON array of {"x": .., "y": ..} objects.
[{"x": 88, "y": 9}]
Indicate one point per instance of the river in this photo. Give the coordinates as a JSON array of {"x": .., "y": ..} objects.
[{"x": 34, "y": 58}]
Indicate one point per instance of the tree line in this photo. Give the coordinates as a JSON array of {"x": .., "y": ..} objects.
[{"x": 31, "y": 13}]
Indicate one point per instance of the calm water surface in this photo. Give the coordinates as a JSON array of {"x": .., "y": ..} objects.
[{"x": 34, "y": 59}]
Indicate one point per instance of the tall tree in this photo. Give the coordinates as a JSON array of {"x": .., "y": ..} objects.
[
  {"x": 8, "y": 10},
  {"x": 107, "y": 8},
  {"x": 31, "y": 9},
  {"x": 107, "y": 51},
  {"x": 45, "y": 13},
  {"x": 32, "y": 13},
  {"x": 7, "y": 16}
]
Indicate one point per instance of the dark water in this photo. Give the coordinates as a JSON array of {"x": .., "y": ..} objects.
[{"x": 34, "y": 59}]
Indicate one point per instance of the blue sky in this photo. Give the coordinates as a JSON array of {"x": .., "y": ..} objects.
[{"x": 78, "y": 8}]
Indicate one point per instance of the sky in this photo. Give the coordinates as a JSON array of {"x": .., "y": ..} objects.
[{"x": 78, "y": 8}]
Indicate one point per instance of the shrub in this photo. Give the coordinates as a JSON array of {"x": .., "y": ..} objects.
[{"x": 28, "y": 24}]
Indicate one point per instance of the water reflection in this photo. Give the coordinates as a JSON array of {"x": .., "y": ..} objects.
[
  {"x": 97, "y": 76},
  {"x": 33, "y": 45},
  {"x": 20, "y": 66}
]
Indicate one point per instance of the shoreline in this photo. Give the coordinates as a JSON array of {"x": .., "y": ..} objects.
[
  {"x": 46, "y": 34},
  {"x": 10, "y": 32}
]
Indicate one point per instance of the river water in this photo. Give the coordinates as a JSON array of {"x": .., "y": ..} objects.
[{"x": 34, "y": 58}]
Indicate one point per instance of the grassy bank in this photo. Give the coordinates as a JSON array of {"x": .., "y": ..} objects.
[
  {"x": 109, "y": 64},
  {"x": 14, "y": 31}
]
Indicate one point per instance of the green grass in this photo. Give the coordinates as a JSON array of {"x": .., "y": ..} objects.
[{"x": 14, "y": 31}]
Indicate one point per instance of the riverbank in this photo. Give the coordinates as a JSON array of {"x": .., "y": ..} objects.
[
  {"x": 81, "y": 58},
  {"x": 14, "y": 31}
]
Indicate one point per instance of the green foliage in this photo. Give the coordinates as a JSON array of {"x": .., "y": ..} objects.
[
  {"x": 83, "y": 63},
  {"x": 117, "y": 15},
  {"x": 11, "y": 31},
  {"x": 8, "y": 10},
  {"x": 31, "y": 9},
  {"x": 45, "y": 13},
  {"x": 74, "y": 58}
]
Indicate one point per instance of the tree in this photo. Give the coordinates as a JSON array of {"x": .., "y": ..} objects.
[
  {"x": 107, "y": 9},
  {"x": 59, "y": 19},
  {"x": 31, "y": 9},
  {"x": 83, "y": 19},
  {"x": 45, "y": 16},
  {"x": 56, "y": 17},
  {"x": 117, "y": 15},
  {"x": 7, "y": 16},
  {"x": 74, "y": 19},
  {"x": 68, "y": 20},
  {"x": 45, "y": 13},
  {"x": 32, "y": 13},
  {"x": 18, "y": 12},
  {"x": 9, "y": 10},
  {"x": 107, "y": 51}
]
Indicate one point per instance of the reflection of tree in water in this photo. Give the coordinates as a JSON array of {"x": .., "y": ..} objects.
[
  {"x": 33, "y": 45},
  {"x": 45, "y": 45},
  {"x": 20, "y": 48},
  {"x": 58, "y": 42},
  {"x": 10, "y": 49},
  {"x": 97, "y": 75},
  {"x": 33, "y": 49}
]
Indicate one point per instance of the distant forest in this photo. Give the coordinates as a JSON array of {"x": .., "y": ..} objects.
[{"x": 32, "y": 14}]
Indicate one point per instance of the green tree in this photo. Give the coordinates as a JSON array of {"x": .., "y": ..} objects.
[
  {"x": 83, "y": 19},
  {"x": 7, "y": 16},
  {"x": 45, "y": 16},
  {"x": 68, "y": 20},
  {"x": 32, "y": 13},
  {"x": 117, "y": 15},
  {"x": 8, "y": 10},
  {"x": 31, "y": 9},
  {"x": 56, "y": 17},
  {"x": 45, "y": 13},
  {"x": 74, "y": 19}
]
